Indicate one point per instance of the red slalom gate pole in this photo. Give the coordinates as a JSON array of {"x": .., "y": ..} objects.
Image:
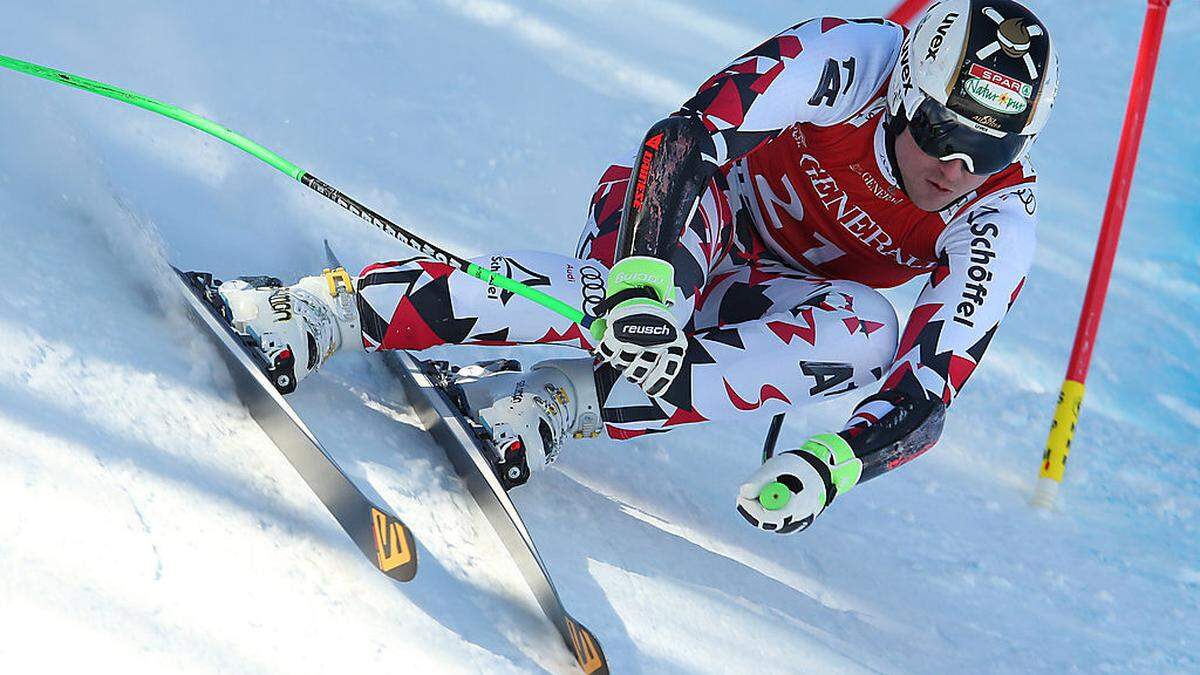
[
  {"x": 1070, "y": 399},
  {"x": 906, "y": 10}
]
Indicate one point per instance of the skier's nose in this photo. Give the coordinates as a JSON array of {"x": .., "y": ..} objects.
[{"x": 953, "y": 170}]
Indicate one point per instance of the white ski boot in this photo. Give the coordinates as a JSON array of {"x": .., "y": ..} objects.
[
  {"x": 298, "y": 327},
  {"x": 530, "y": 414}
]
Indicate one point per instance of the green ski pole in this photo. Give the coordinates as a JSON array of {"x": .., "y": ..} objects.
[{"x": 305, "y": 178}]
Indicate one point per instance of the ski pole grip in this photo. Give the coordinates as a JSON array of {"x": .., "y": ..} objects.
[{"x": 774, "y": 496}]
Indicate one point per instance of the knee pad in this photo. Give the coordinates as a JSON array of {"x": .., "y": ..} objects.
[{"x": 870, "y": 305}]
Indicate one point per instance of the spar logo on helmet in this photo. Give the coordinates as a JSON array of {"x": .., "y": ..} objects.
[
  {"x": 997, "y": 91},
  {"x": 1001, "y": 80}
]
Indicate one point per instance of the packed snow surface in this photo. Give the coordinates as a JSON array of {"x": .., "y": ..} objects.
[{"x": 148, "y": 525}]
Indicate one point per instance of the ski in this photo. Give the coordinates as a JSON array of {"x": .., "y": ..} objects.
[
  {"x": 379, "y": 534},
  {"x": 461, "y": 440}
]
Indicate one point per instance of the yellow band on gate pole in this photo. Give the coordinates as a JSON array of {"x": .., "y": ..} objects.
[{"x": 1058, "y": 445}]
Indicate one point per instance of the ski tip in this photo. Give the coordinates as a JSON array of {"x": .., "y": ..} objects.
[
  {"x": 395, "y": 549},
  {"x": 330, "y": 257},
  {"x": 586, "y": 648}
]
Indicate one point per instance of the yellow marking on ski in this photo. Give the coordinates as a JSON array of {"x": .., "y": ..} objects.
[
  {"x": 584, "y": 648},
  {"x": 390, "y": 543}
]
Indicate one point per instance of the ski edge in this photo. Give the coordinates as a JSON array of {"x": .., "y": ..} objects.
[{"x": 379, "y": 534}]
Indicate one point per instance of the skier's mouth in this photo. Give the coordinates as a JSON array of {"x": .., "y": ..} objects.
[{"x": 937, "y": 187}]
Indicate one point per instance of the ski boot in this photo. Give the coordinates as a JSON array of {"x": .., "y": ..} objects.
[
  {"x": 294, "y": 328},
  {"x": 527, "y": 416}
]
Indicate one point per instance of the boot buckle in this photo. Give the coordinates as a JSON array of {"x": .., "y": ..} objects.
[
  {"x": 339, "y": 280},
  {"x": 589, "y": 425}
]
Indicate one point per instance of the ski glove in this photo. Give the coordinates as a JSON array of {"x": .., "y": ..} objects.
[
  {"x": 638, "y": 335},
  {"x": 792, "y": 488}
]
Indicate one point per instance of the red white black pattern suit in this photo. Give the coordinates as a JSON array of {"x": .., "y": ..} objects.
[{"x": 776, "y": 270}]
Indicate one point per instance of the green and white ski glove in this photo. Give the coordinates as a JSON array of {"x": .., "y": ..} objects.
[
  {"x": 638, "y": 335},
  {"x": 792, "y": 488}
]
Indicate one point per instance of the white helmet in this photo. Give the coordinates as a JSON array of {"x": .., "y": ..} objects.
[{"x": 975, "y": 81}]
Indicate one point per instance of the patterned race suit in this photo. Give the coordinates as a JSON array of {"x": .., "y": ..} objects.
[{"x": 776, "y": 268}]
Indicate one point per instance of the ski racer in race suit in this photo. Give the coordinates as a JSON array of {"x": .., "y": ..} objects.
[{"x": 735, "y": 259}]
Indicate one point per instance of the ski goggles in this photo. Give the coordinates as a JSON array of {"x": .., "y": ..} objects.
[{"x": 940, "y": 134}]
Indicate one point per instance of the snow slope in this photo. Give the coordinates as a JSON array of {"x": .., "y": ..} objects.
[{"x": 148, "y": 525}]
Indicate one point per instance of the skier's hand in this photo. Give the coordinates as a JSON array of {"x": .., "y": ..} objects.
[
  {"x": 639, "y": 336},
  {"x": 792, "y": 488}
]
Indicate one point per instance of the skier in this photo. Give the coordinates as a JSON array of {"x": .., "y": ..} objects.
[{"x": 734, "y": 260}]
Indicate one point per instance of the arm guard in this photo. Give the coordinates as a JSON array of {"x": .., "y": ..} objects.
[
  {"x": 901, "y": 435},
  {"x": 668, "y": 176}
]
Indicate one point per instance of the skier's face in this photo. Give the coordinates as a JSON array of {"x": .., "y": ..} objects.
[{"x": 932, "y": 184}]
